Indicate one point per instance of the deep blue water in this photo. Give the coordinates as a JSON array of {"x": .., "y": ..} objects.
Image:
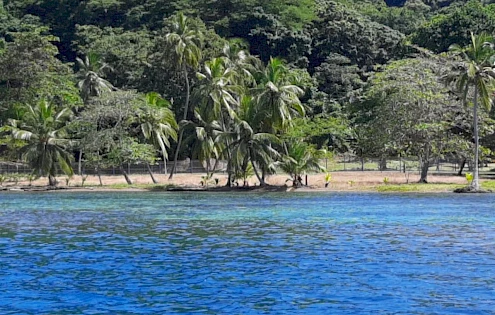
[{"x": 167, "y": 253}]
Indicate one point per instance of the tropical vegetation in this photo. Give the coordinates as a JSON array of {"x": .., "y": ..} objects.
[{"x": 266, "y": 86}]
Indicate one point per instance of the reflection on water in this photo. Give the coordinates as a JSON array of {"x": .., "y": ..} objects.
[{"x": 147, "y": 253}]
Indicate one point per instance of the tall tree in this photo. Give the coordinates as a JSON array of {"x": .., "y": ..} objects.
[
  {"x": 475, "y": 71},
  {"x": 185, "y": 43}
]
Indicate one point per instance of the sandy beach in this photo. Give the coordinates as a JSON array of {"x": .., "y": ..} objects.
[{"x": 340, "y": 181}]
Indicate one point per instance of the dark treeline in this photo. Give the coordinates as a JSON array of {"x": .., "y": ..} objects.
[{"x": 264, "y": 85}]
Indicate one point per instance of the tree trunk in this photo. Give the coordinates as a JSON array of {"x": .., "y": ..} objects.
[
  {"x": 151, "y": 174},
  {"x": 99, "y": 175},
  {"x": 215, "y": 166},
  {"x": 127, "y": 179},
  {"x": 262, "y": 182},
  {"x": 79, "y": 163},
  {"x": 186, "y": 108},
  {"x": 425, "y": 164},
  {"x": 52, "y": 181},
  {"x": 382, "y": 164},
  {"x": 475, "y": 183},
  {"x": 424, "y": 172},
  {"x": 461, "y": 166}
]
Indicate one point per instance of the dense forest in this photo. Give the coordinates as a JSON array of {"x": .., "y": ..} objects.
[{"x": 264, "y": 85}]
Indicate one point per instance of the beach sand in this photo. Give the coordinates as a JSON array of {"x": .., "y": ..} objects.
[{"x": 341, "y": 181}]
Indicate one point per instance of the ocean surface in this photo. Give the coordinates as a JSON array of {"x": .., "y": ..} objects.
[{"x": 276, "y": 253}]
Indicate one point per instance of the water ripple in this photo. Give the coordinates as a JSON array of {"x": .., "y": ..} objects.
[{"x": 143, "y": 253}]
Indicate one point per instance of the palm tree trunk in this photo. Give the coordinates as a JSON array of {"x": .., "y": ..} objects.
[
  {"x": 79, "y": 163},
  {"x": 186, "y": 108},
  {"x": 164, "y": 165},
  {"x": 475, "y": 183},
  {"x": 127, "y": 179},
  {"x": 151, "y": 173},
  {"x": 52, "y": 181},
  {"x": 215, "y": 165},
  {"x": 262, "y": 183}
]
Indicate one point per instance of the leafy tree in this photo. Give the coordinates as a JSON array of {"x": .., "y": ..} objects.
[
  {"x": 475, "y": 72},
  {"x": 412, "y": 117},
  {"x": 42, "y": 128},
  {"x": 30, "y": 71},
  {"x": 454, "y": 25},
  {"x": 108, "y": 129},
  {"x": 125, "y": 52},
  {"x": 343, "y": 31}
]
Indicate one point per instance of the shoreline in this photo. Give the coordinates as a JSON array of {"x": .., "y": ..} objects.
[{"x": 341, "y": 182}]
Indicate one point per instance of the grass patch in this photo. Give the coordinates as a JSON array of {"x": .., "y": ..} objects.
[
  {"x": 419, "y": 188},
  {"x": 489, "y": 184}
]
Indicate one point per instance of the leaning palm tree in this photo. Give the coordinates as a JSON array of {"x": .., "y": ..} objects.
[
  {"x": 475, "y": 71},
  {"x": 203, "y": 140},
  {"x": 42, "y": 129},
  {"x": 158, "y": 124},
  {"x": 91, "y": 83},
  {"x": 185, "y": 43}
]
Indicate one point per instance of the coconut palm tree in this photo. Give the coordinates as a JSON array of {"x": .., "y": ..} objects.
[
  {"x": 300, "y": 159},
  {"x": 158, "y": 124},
  {"x": 216, "y": 92},
  {"x": 475, "y": 71},
  {"x": 186, "y": 44},
  {"x": 278, "y": 98},
  {"x": 42, "y": 128},
  {"x": 249, "y": 144},
  {"x": 204, "y": 138},
  {"x": 91, "y": 83}
]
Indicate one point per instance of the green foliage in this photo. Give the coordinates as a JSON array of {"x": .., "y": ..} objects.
[
  {"x": 414, "y": 116},
  {"x": 331, "y": 133},
  {"x": 342, "y": 31},
  {"x": 299, "y": 159},
  {"x": 453, "y": 26}
]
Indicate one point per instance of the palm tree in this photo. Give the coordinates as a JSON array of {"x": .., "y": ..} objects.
[
  {"x": 249, "y": 144},
  {"x": 204, "y": 139},
  {"x": 219, "y": 101},
  {"x": 186, "y": 43},
  {"x": 42, "y": 129},
  {"x": 91, "y": 83},
  {"x": 475, "y": 71},
  {"x": 158, "y": 124},
  {"x": 278, "y": 98},
  {"x": 300, "y": 159}
]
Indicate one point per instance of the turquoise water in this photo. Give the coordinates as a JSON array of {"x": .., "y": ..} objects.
[{"x": 168, "y": 253}]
